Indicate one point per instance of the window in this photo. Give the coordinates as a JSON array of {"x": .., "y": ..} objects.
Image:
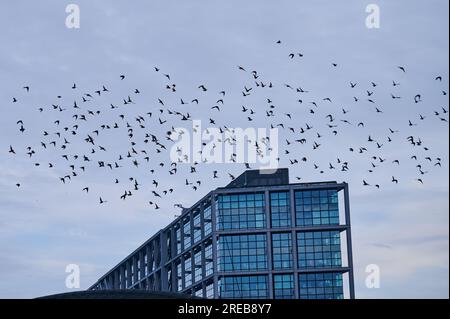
[
  {"x": 282, "y": 251},
  {"x": 283, "y": 286},
  {"x": 178, "y": 237},
  {"x": 319, "y": 249},
  {"x": 207, "y": 220},
  {"x": 197, "y": 227},
  {"x": 242, "y": 252},
  {"x": 241, "y": 211},
  {"x": 209, "y": 260},
  {"x": 179, "y": 277},
  {"x": 279, "y": 209},
  {"x": 169, "y": 277},
  {"x": 198, "y": 291},
  {"x": 145, "y": 264},
  {"x": 210, "y": 290},
  {"x": 169, "y": 244},
  {"x": 198, "y": 275},
  {"x": 187, "y": 233},
  {"x": 187, "y": 271},
  {"x": 316, "y": 208},
  {"x": 248, "y": 287},
  {"x": 321, "y": 286}
]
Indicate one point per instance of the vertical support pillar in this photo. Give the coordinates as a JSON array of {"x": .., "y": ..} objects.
[
  {"x": 269, "y": 242},
  {"x": 214, "y": 216},
  {"x": 294, "y": 241},
  {"x": 349, "y": 242}
]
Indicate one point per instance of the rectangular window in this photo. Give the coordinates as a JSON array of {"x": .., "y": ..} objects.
[
  {"x": 187, "y": 271},
  {"x": 169, "y": 244},
  {"x": 187, "y": 233},
  {"x": 241, "y": 211},
  {"x": 145, "y": 264},
  {"x": 283, "y": 286},
  {"x": 178, "y": 236},
  {"x": 244, "y": 287},
  {"x": 209, "y": 259},
  {"x": 316, "y": 208},
  {"x": 198, "y": 275},
  {"x": 242, "y": 252},
  {"x": 207, "y": 220},
  {"x": 319, "y": 249},
  {"x": 282, "y": 251},
  {"x": 197, "y": 227},
  {"x": 210, "y": 290},
  {"x": 279, "y": 209},
  {"x": 198, "y": 292},
  {"x": 321, "y": 286},
  {"x": 179, "y": 277}
]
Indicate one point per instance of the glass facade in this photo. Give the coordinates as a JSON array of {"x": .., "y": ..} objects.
[
  {"x": 178, "y": 237},
  {"x": 258, "y": 242},
  {"x": 197, "y": 226},
  {"x": 283, "y": 286},
  {"x": 242, "y": 252},
  {"x": 187, "y": 271},
  {"x": 279, "y": 209},
  {"x": 179, "y": 277},
  {"x": 187, "y": 233},
  {"x": 316, "y": 208},
  {"x": 321, "y": 286},
  {"x": 243, "y": 211},
  {"x": 198, "y": 270},
  {"x": 209, "y": 264},
  {"x": 282, "y": 251},
  {"x": 207, "y": 220},
  {"x": 244, "y": 287},
  {"x": 209, "y": 290},
  {"x": 319, "y": 249}
]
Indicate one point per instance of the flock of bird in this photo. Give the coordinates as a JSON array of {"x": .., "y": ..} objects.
[{"x": 78, "y": 141}]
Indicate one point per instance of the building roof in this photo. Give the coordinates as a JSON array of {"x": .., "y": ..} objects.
[{"x": 261, "y": 177}]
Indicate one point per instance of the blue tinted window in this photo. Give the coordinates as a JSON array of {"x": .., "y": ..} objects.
[
  {"x": 282, "y": 251},
  {"x": 316, "y": 208},
  {"x": 244, "y": 211},
  {"x": 244, "y": 287},
  {"x": 283, "y": 286},
  {"x": 242, "y": 252},
  {"x": 279, "y": 209},
  {"x": 319, "y": 249},
  {"x": 321, "y": 286}
]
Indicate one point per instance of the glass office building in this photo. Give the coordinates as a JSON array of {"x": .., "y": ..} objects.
[{"x": 257, "y": 238}]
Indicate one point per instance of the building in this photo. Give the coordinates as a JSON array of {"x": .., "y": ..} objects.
[
  {"x": 118, "y": 294},
  {"x": 258, "y": 237}
]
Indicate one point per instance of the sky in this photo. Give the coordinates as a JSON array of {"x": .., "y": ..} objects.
[{"x": 46, "y": 225}]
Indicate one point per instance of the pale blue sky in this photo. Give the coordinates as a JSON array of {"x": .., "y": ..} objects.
[{"x": 44, "y": 225}]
